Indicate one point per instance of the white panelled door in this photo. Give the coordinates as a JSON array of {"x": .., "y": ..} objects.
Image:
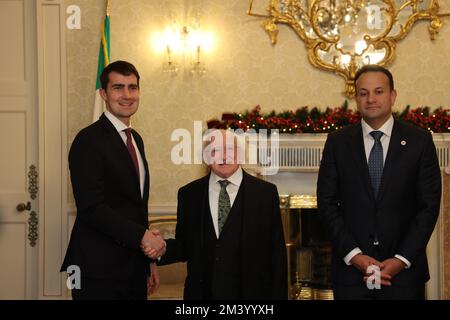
[{"x": 19, "y": 151}]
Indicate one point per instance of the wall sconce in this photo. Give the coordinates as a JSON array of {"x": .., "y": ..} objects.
[
  {"x": 171, "y": 43},
  {"x": 185, "y": 44}
]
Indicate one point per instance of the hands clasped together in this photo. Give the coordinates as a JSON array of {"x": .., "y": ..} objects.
[
  {"x": 152, "y": 244},
  {"x": 389, "y": 267}
]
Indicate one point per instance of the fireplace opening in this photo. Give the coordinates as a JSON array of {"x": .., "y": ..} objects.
[{"x": 308, "y": 249}]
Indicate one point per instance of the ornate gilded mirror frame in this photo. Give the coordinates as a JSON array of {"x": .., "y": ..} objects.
[{"x": 343, "y": 35}]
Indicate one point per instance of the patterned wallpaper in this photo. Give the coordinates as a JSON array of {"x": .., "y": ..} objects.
[{"x": 243, "y": 70}]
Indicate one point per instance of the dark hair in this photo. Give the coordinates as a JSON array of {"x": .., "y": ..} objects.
[
  {"x": 375, "y": 68},
  {"x": 123, "y": 67}
]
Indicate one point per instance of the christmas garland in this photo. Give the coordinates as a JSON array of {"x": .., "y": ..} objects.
[{"x": 315, "y": 121}]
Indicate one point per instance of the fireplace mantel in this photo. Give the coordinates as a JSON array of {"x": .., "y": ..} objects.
[{"x": 303, "y": 152}]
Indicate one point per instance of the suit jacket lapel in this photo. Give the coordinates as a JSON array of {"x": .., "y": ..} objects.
[
  {"x": 140, "y": 146},
  {"x": 205, "y": 212},
  {"x": 233, "y": 211},
  {"x": 123, "y": 156},
  {"x": 359, "y": 154},
  {"x": 249, "y": 210},
  {"x": 392, "y": 155}
]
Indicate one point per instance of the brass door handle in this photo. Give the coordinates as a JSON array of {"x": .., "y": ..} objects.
[{"x": 22, "y": 207}]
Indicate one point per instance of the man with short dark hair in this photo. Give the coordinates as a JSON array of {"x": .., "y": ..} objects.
[
  {"x": 110, "y": 181},
  {"x": 378, "y": 192}
]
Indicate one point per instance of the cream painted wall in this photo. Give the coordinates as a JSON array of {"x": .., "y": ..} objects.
[{"x": 244, "y": 70}]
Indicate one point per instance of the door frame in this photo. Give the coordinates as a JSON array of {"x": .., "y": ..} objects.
[{"x": 52, "y": 142}]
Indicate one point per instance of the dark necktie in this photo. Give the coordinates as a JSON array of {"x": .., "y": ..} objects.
[
  {"x": 132, "y": 151},
  {"x": 224, "y": 203},
  {"x": 375, "y": 162}
]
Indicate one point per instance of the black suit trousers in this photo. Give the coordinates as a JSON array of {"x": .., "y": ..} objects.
[
  {"x": 134, "y": 288},
  {"x": 394, "y": 292}
]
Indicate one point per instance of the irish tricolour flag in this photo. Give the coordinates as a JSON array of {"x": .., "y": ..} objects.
[{"x": 103, "y": 61}]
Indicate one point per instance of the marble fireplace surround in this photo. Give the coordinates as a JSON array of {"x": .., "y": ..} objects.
[{"x": 299, "y": 159}]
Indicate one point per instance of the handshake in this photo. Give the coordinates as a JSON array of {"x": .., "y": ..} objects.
[{"x": 152, "y": 244}]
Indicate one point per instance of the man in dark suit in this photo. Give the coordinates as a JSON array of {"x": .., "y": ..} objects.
[
  {"x": 110, "y": 181},
  {"x": 379, "y": 191},
  {"x": 229, "y": 231}
]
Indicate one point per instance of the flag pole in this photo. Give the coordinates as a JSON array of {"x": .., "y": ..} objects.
[
  {"x": 103, "y": 61},
  {"x": 104, "y": 41}
]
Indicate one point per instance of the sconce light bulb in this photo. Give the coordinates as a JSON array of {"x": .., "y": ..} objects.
[{"x": 184, "y": 40}]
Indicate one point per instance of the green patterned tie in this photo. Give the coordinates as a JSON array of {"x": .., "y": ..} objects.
[{"x": 224, "y": 203}]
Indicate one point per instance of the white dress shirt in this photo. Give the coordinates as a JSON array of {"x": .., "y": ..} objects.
[
  {"x": 120, "y": 126},
  {"x": 369, "y": 141},
  {"x": 214, "y": 190}
]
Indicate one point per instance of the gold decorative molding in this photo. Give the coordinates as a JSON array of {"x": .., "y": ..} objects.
[
  {"x": 343, "y": 35},
  {"x": 298, "y": 201}
]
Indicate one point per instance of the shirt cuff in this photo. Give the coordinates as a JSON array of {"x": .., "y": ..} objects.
[
  {"x": 350, "y": 256},
  {"x": 406, "y": 261}
]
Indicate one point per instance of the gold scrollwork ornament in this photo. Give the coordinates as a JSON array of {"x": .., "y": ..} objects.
[
  {"x": 343, "y": 35},
  {"x": 33, "y": 187},
  {"x": 33, "y": 228}
]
